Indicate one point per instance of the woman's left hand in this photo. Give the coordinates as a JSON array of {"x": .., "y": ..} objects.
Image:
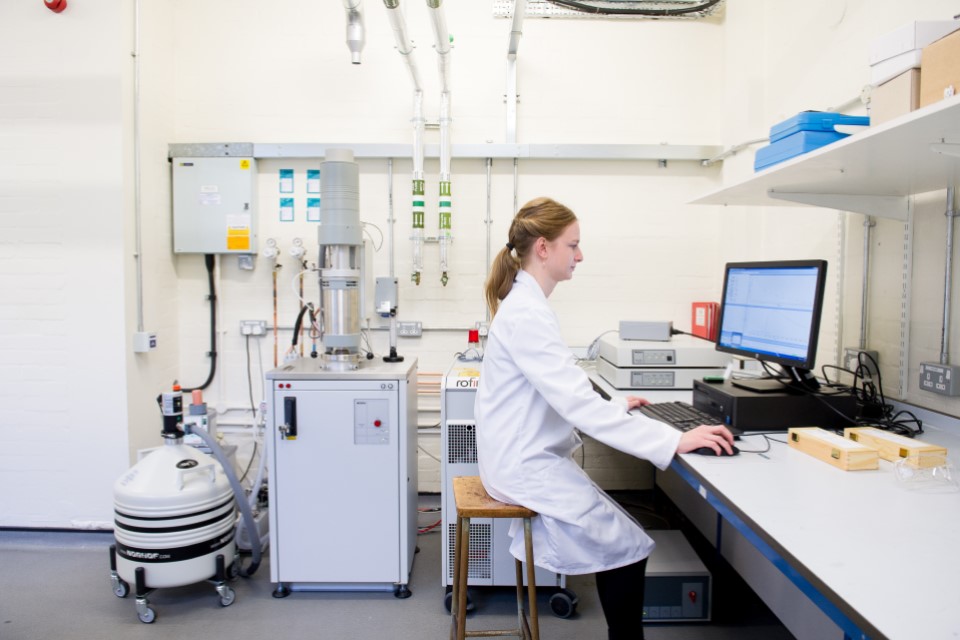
[{"x": 635, "y": 401}]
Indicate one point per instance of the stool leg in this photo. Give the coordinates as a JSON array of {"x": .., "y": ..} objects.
[
  {"x": 531, "y": 580},
  {"x": 521, "y": 618},
  {"x": 463, "y": 567}
]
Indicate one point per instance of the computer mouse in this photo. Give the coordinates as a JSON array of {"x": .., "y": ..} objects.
[{"x": 707, "y": 451}]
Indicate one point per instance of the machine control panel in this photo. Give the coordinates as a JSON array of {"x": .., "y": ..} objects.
[
  {"x": 646, "y": 379},
  {"x": 371, "y": 421},
  {"x": 653, "y": 356}
]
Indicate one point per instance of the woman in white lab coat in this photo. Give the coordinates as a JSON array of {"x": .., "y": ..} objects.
[{"x": 531, "y": 400}]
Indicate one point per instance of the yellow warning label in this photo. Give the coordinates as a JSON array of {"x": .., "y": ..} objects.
[
  {"x": 238, "y": 239},
  {"x": 245, "y": 163}
]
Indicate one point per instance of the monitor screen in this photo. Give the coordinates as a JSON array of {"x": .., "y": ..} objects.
[{"x": 771, "y": 311}]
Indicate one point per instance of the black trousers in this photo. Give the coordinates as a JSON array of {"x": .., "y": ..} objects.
[{"x": 621, "y": 598}]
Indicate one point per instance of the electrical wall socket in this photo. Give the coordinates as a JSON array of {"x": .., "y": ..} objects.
[
  {"x": 410, "y": 329},
  {"x": 940, "y": 378},
  {"x": 253, "y": 327},
  {"x": 144, "y": 341},
  {"x": 483, "y": 328},
  {"x": 852, "y": 360}
]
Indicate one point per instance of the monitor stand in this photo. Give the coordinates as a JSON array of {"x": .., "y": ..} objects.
[{"x": 796, "y": 381}]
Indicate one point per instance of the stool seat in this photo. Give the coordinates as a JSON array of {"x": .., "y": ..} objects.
[{"x": 473, "y": 501}]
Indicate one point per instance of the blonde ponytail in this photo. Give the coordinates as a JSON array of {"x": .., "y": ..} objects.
[{"x": 539, "y": 218}]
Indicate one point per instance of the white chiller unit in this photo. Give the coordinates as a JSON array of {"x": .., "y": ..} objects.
[
  {"x": 490, "y": 561},
  {"x": 342, "y": 431},
  {"x": 343, "y": 477}
]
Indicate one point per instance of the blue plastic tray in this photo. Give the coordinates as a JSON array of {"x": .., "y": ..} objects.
[
  {"x": 814, "y": 121},
  {"x": 792, "y": 146}
]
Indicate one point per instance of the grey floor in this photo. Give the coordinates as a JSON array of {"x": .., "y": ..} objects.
[{"x": 55, "y": 585}]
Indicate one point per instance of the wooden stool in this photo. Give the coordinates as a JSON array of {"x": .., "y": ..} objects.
[{"x": 473, "y": 501}]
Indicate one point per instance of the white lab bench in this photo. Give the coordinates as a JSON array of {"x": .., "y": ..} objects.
[
  {"x": 855, "y": 553},
  {"x": 875, "y": 556}
]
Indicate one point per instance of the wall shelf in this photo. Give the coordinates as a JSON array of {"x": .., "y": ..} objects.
[{"x": 872, "y": 172}]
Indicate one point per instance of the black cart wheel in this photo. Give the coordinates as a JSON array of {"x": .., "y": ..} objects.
[
  {"x": 448, "y": 601},
  {"x": 564, "y": 603}
]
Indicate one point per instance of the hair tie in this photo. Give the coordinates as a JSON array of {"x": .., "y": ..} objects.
[{"x": 510, "y": 246}]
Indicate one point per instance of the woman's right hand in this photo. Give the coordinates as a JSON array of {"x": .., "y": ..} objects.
[{"x": 714, "y": 436}]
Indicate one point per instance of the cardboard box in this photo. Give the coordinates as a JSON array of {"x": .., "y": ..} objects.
[
  {"x": 910, "y": 36},
  {"x": 940, "y": 70},
  {"x": 895, "y": 97},
  {"x": 900, "y": 50},
  {"x": 892, "y": 67}
]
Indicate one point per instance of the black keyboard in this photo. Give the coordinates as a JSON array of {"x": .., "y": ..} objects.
[{"x": 679, "y": 415}]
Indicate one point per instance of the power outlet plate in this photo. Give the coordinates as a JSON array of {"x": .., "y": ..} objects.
[
  {"x": 410, "y": 329},
  {"x": 940, "y": 378},
  {"x": 253, "y": 327},
  {"x": 852, "y": 360}
]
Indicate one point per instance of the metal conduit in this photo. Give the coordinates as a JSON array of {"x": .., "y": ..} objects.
[{"x": 947, "y": 280}]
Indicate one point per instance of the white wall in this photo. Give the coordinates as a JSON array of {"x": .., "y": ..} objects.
[
  {"x": 63, "y": 430},
  {"x": 280, "y": 72}
]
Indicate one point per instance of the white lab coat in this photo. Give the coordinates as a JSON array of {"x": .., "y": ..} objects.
[{"x": 531, "y": 396}]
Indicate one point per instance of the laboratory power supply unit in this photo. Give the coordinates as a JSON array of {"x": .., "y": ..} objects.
[
  {"x": 343, "y": 476},
  {"x": 654, "y": 364},
  {"x": 490, "y": 562},
  {"x": 678, "y": 585}
]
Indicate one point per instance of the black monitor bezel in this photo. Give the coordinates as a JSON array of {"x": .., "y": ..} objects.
[{"x": 810, "y": 361}]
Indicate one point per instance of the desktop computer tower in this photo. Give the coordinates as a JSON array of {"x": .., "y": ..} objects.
[{"x": 746, "y": 410}]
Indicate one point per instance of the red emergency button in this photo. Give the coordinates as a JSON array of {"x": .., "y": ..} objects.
[
  {"x": 693, "y": 596},
  {"x": 377, "y": 423}
]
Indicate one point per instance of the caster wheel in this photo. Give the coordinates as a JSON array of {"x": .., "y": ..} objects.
[
  {"x": 233, "y": 571},
  {"x": 227, "y": 597},
  {"x": 402, "y": 592},
  {"x": 282, "y": 591},
  {"x": 563, "y": 603},
  {"x": 147, "y": 616},
  {"x": 121, "y": 589},
  {"x": 448, "y": 602}
]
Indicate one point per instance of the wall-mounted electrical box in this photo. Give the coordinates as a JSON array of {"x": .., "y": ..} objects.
[{"x": 214, "y": 205}]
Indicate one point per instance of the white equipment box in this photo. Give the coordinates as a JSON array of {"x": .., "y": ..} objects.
[
  {"x": 214, "y": 205},
  {"x": 679, "y": 351},
  {"x": 678, "y": 585},
  {"x": 343, "y": 477},
  {"x": 490, "y": 561},
  {"x": 675, "y": 364}
]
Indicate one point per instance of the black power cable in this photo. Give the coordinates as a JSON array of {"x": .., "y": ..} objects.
[
  {"x": 210, "y": 259},
  {"x": 624, "y": 11}
]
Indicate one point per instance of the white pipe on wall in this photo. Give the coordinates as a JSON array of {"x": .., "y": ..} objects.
[
  {"x": 519, "y": 9},
  {"x": 442, "y": 38},
  {"x": 405, "y": 47},
  {"x": 445, "y": 204},
  {"x": 404, "y": 44},
  {"x": 418, "y": 187}
]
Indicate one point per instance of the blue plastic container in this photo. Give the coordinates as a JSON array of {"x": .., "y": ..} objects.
[
  {"x": 792, "y": 146},
  {"x": 814, "y": 121}
]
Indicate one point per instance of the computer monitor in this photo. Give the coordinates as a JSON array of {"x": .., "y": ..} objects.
[{"x": 771, "y": 311}]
